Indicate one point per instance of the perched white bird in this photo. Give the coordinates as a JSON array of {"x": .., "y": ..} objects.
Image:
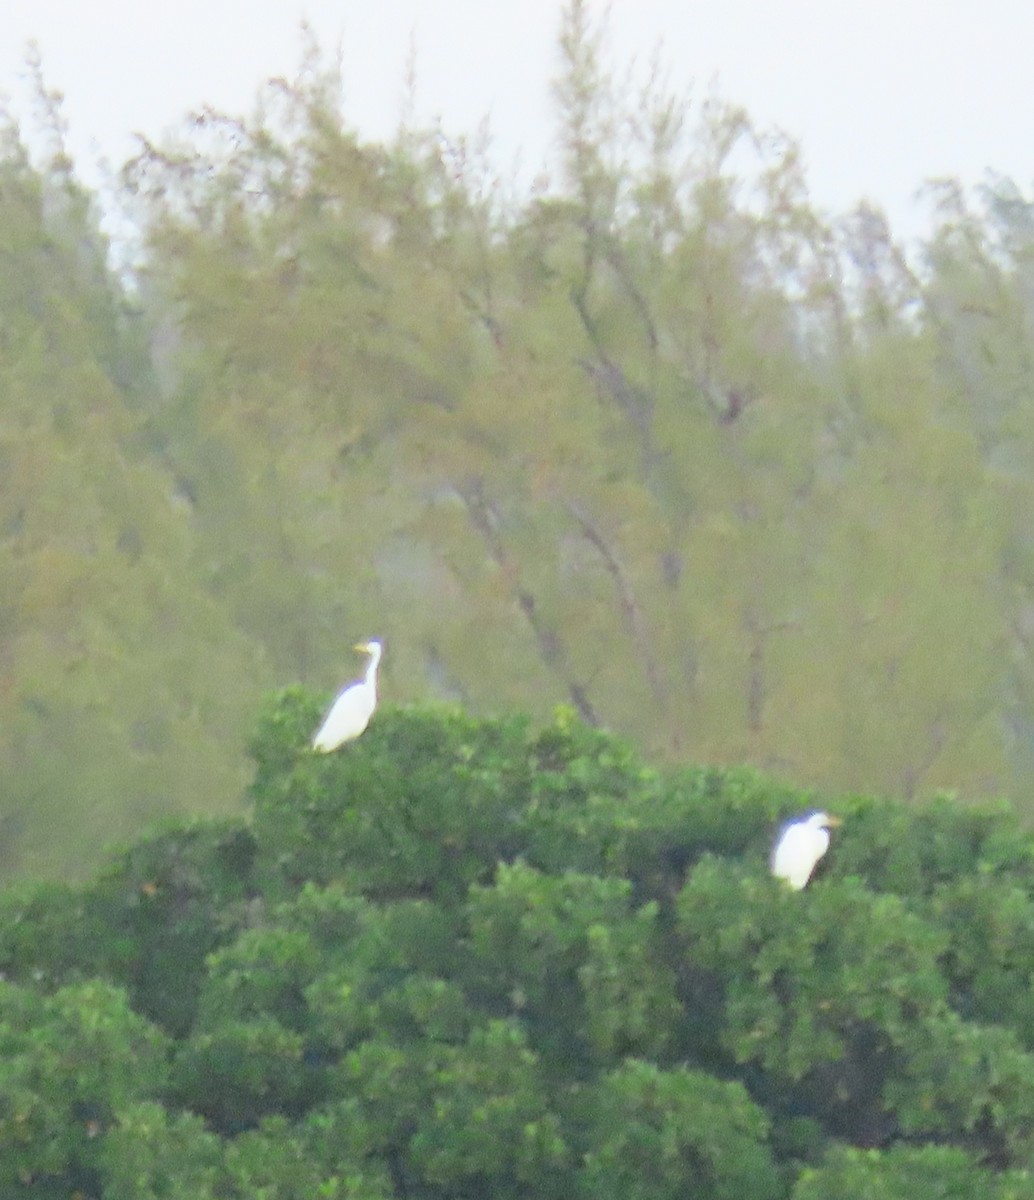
[
  {"x": 350, "y": 713},
  {"x": 799, "y": 847}
]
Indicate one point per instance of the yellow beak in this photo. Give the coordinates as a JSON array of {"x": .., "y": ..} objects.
[
  {"x": 363, "y": 646},
  {"x": 833, "y": 822}
]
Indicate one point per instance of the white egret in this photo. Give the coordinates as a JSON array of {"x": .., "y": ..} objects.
[
  {"x": 799, "y": 847},
  {"x": 350, "y": 713}
]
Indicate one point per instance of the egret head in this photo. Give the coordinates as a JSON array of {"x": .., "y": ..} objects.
[
  {"x": 823, "y": 820},
  {"x": 373, "y": 649}
]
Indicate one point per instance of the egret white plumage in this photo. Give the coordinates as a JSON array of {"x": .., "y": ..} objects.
[
  {"x": 799, "y": 847},
  {"x": 350, "y": 713}
]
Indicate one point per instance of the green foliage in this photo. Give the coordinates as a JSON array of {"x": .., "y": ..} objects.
[
  {"x": 241, "y": 1071},
  {"x": 50, "y": 935},
  {"x": 164, "y": 905},
  {"x": 606, "y": 994},
  {"x": 658, "y": 1131},
  {"x": 465, "y": 1117},
  {"x": 969, "y": 1079},
  {"x": 323, "y": 1156},
  {"x": 907, "y": 1173},
  {"x": 389, "y": 978},
  {"x": 151, "y": 1154},
  {"x": 69, "y": 1064},
  {"x": 574, "y": 958},
  {"x": 989, "y": 963},
  {"x": 801, "y": 986},
  {"x": 433, "y": 794}
]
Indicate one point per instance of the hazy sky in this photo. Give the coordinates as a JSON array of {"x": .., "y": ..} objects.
[{"x": 881, "y": 93}]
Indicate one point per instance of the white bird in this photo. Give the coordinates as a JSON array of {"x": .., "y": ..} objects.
[
  {"x": 350, "y": 713},
  {"x": 799, "y": 847}
]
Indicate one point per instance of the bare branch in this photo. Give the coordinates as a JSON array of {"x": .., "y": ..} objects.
[
  {"x": 630, "y": 608},
  {"x": 551, "y": 648}
]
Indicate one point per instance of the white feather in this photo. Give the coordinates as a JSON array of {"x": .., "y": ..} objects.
[{"x": 799, "y": 847}]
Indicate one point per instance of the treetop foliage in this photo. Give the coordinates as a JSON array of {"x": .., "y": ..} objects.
[{"x": 468, "y": 957}]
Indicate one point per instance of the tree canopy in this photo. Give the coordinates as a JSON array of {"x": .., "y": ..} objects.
[{"x": 466, "y": 957}]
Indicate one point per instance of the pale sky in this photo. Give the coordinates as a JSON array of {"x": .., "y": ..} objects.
[{"x": 881, "y": 93}]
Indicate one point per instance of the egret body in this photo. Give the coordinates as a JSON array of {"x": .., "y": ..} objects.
[
  {"x": 799, "y": 847},
  {"x": 350, "y": 713}
]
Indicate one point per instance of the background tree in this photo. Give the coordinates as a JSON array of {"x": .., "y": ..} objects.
[{"x": 656, "y": 441}]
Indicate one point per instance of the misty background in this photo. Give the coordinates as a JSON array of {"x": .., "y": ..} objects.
[{"x": 653, "y": 434}]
